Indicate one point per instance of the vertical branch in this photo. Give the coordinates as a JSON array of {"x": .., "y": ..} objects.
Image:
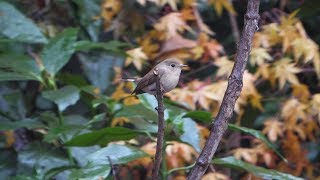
[
  {"x": 232, "y": 93},
  {"x": 161, "y": 127}
]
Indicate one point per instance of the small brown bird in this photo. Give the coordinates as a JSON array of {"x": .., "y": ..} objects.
[{"x": 169, "y": 72}]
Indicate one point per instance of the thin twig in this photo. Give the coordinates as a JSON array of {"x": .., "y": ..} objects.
[
  {"x": 161, "y": 127},
  {"x": 232, "y": 93}
]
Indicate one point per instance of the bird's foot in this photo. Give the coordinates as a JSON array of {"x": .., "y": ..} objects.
[{"x": 156, "y": 108}]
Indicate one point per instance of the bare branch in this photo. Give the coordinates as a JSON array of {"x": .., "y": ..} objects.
[
  {"x": 232, "y": 93},
  {"x": 161, "y": 127}
]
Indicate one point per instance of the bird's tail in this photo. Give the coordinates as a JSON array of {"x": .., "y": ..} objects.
[{"x": 129, "y": 79}]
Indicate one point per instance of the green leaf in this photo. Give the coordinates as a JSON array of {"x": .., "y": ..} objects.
[
  {"x": 59, "y": 50},
  {"x": 150, "y": 102},
  {"x": 40, "y": 157},
  {"x": 98, "y": 68},
  {"x": 18, "y": 67},
  {"x": 64, "y": 97},
  {"x": 27, "y": 123},
  {"x": 113, "y": 46},
  {"x": 86, "y": 10},
  {"x": 97, "y": 118},
  {"x": 15, "y": 26},
  {"x": 258, "y": 135},
  {"x": 191, "y": 133},
  {"x": 255, "y": 170},
  {"x": 203, "y": 116},
  {"x": 119, "y": 154},
  {"x": 103, "y": 136},
  {"x": 91, "y": 172},
  {"x": 137, "y": 111},
  {"x": 188, "y": 130}
]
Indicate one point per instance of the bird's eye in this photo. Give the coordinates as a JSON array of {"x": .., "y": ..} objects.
[{"x": 173, "y": 65}]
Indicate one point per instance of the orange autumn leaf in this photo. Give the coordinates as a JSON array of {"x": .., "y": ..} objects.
[
  {"x": 109, "y": 9},
  {"x": 10, "y": 139},
  {"x": 215, "y": 176},
  {"x": 247, "y": 154},
  {"x": 172, "y": 24},
  {"x": 301, "y": 92},
  {"x": 136, "y": 57},
  {"x": 211, "y": 46},
  {"x": 273, "y": 129},
  {"x": 119, "y": 121},
  {"x": 177, "y": 42},
  {"x": 123, "y": 92}
]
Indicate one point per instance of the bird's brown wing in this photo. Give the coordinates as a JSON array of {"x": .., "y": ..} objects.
[{"x": 147, "y": 80}]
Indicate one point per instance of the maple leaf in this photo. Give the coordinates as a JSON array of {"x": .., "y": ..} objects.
[
  {"x": 178, "y": 154},
  {"x": 292, "y": 111},
  {"x": 177, "y": 42},
  {"x": 184, "y": 95},
  {"x": 109, "y": 9},
  {"x": 263, "y": 71},
  {"x": 271, "y": 32},
  {"x": 119, "y": 121},
  {"x": 215, "y": 176},
  {"x": 301, "y": 92},
  {"x": 137, "y": 57},
  {"x": 285, "y": 71},
  {"x": 214, "y": 91},
  {"x": 258, "y": 56},
  {"x": 210, "y": 45},
  {"x": 247, "y": 154},
  {"x": 315, "y": 106},
  {"x": 305, "y": 48},
  {"x": 225, "y": 66},
  {"x": 273, "y": 128},
  {"x": 249, "y": 92},
  {"x": 172, "y": 23},
  {"x": 121, "y": 94},
  {"x": 219, "y": 5}
]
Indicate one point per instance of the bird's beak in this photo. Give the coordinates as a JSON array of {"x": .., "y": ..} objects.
[{"x": 183, "y": 65}]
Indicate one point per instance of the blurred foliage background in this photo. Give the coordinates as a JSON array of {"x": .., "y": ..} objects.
[{"x": 65, "y": 114}]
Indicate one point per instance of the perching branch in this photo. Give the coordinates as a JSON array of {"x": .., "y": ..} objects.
[
  {"x": 232, "y": 93},
  {"x": 161, "y": 126}
]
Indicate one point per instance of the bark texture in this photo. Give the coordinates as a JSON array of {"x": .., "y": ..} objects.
[
  {"x": 232, "y": 93},
  {"x": 161, "y": 127}
]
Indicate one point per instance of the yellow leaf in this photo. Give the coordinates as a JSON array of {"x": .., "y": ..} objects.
[
  {"x": 215, "y": 176},
  {"x": 315, "y": 105},
  {"x": 301, "y": 92},
  {"x": 285, "y": 71},
  {"x": 249, "y": 92},
  {"x": 109, "y": 9},
  {"x": 197, "y": 52},
  {"x": 219, "y": 5},
  {"x": 119, "y": 121},
  {"x": 225, "y": 66},
  {"x": 292, "y": 111},
  {"x": 273, "y": 128},
  {"x": 259, "y": 56},
  {"x": 305, "y": 48},
  {"x": 9, "y": 138},
  {"x": 136, "y": 57},
  {"x": 120, "y": 94},
  {"x": 247, "y": 154},
  {"x": 172, "y": 24}
]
